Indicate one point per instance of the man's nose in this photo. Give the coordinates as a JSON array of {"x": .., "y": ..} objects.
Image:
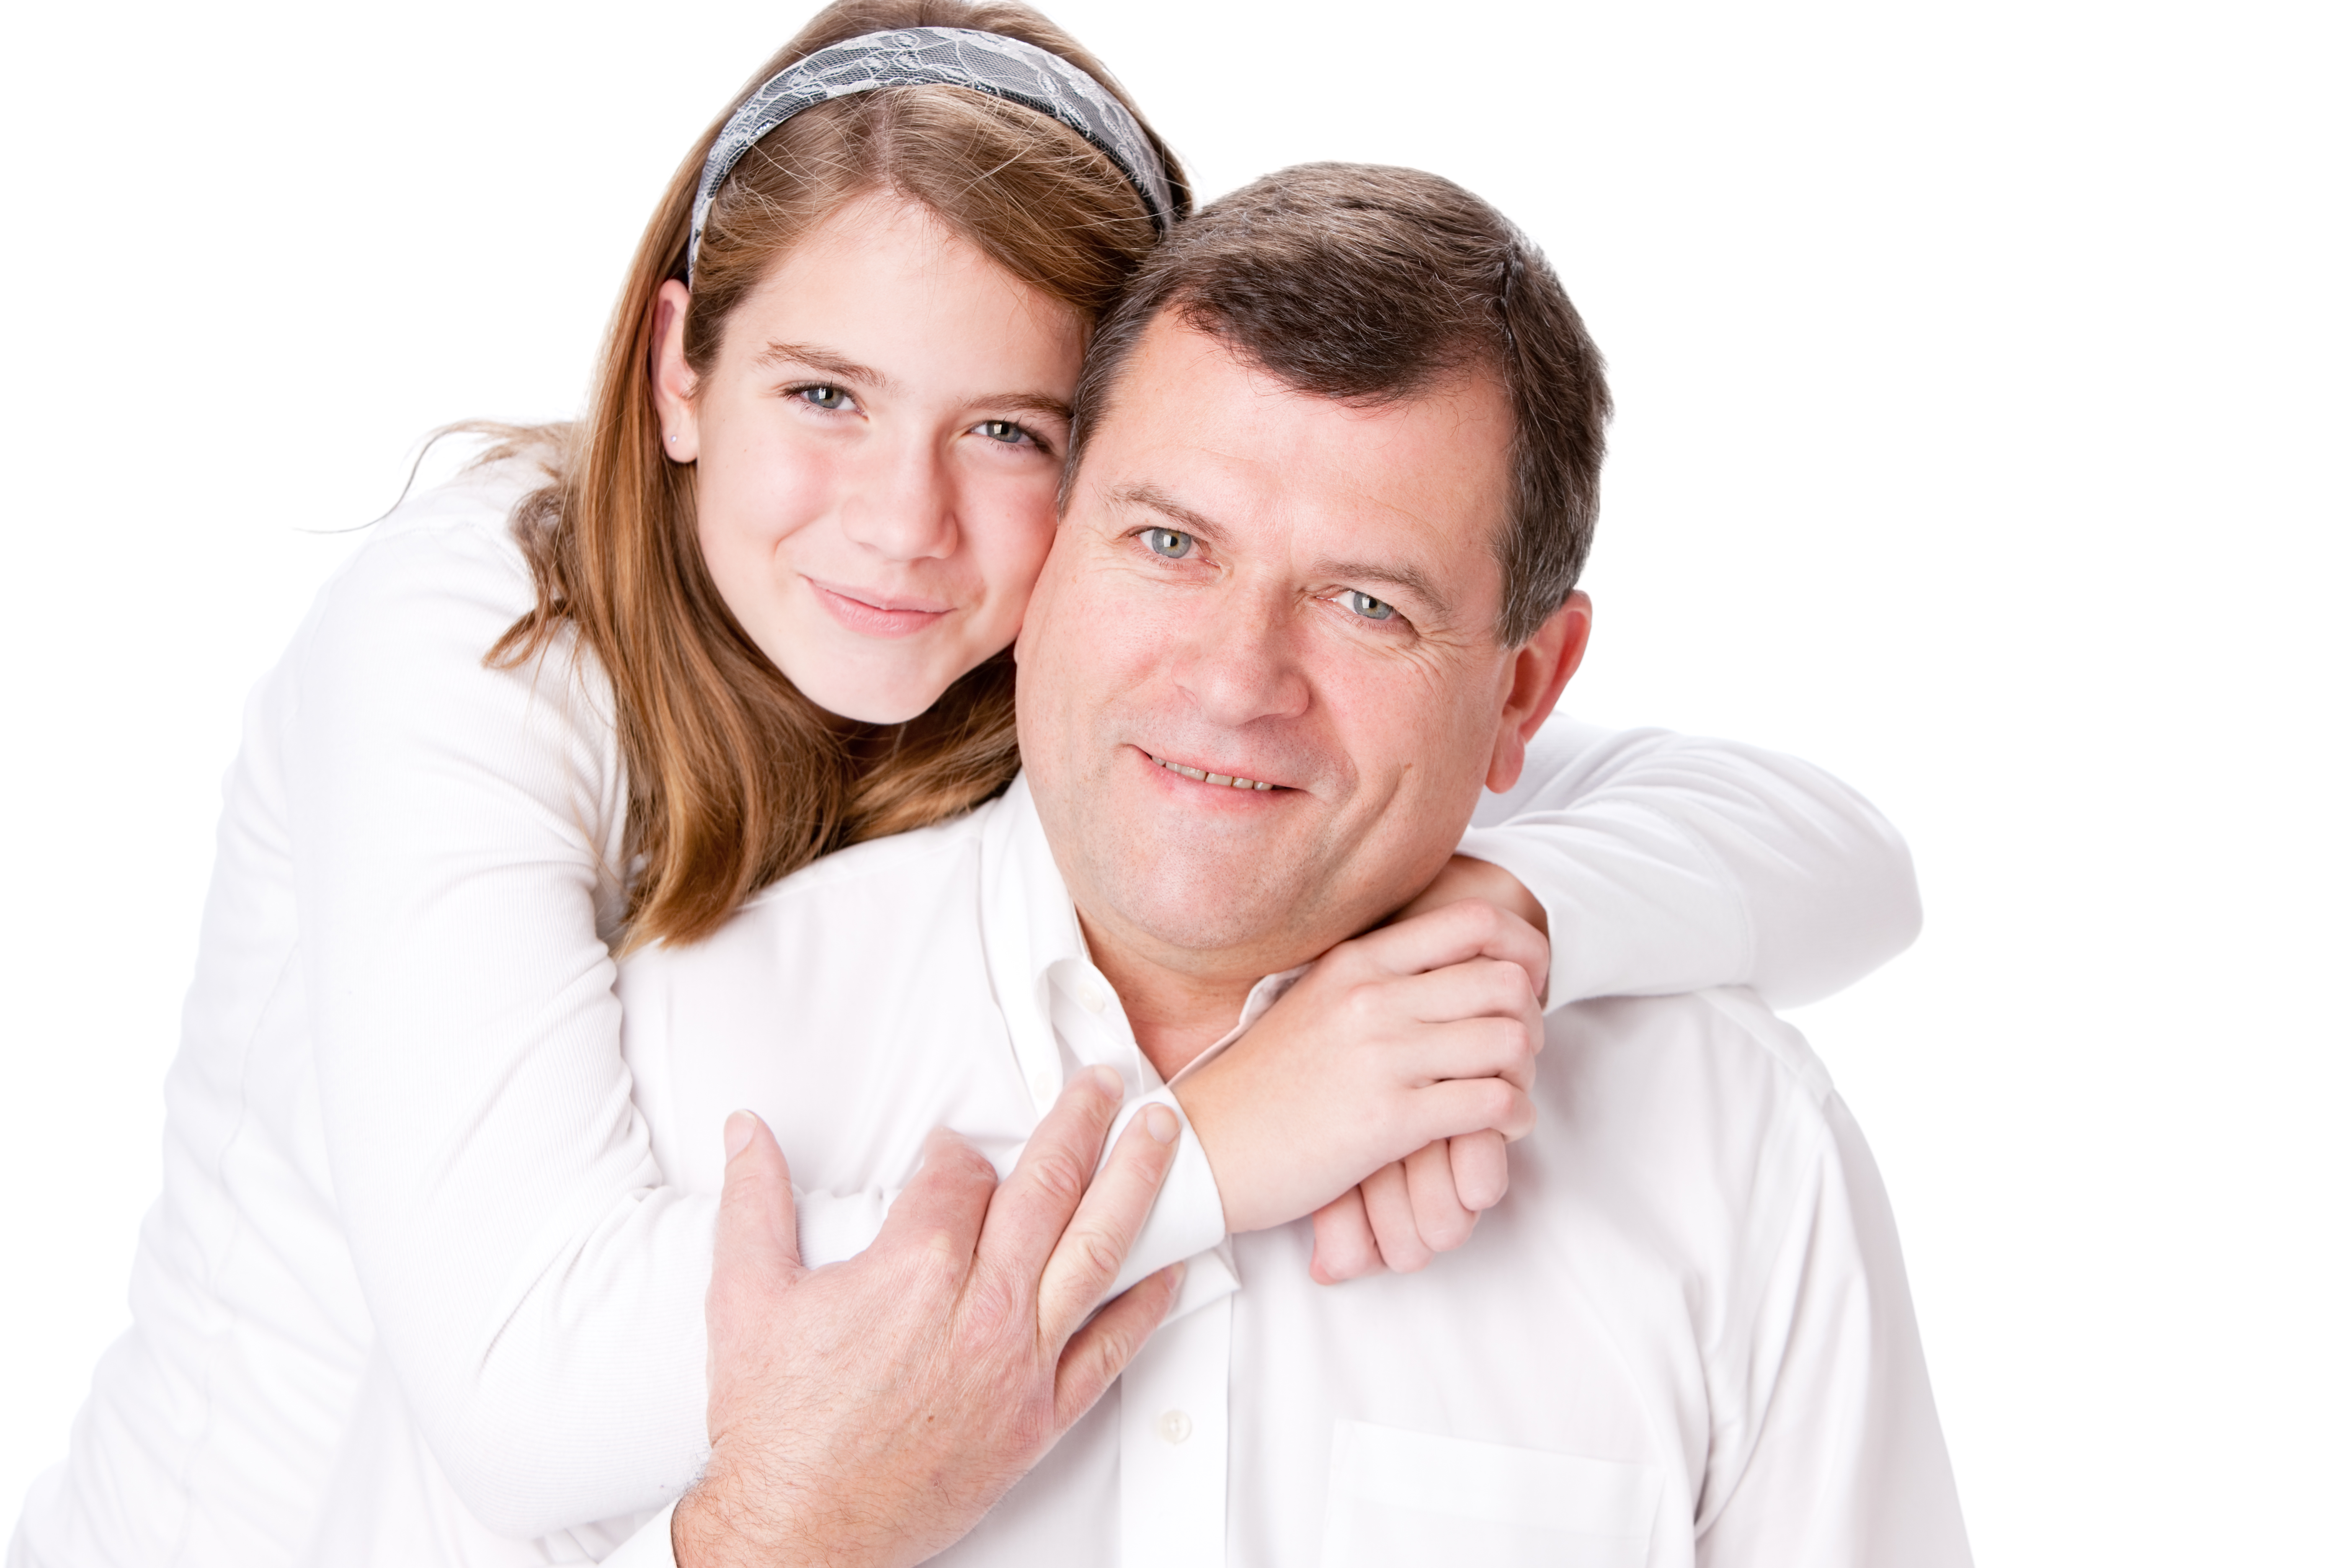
[
  {"x": 902, "y": 503},
  {"x": 1241, "y": 662}
]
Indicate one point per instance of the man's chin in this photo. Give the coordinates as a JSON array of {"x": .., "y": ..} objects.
[{"x": 1217, "y": 904}]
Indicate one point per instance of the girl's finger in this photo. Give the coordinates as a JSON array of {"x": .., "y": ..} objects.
[
  {"x": 1438, "y": 1214},
  {"x": 1482, "y": 1169},
  {"x": 1344, "y": 1246},
  {"x": 1389, "y": 1205}
]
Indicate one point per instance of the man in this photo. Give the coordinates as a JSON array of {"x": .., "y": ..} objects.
[{"x": 1330, "y": 488}]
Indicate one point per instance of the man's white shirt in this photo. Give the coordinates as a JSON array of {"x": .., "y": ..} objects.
[{"x": 1684, "y": 1336}]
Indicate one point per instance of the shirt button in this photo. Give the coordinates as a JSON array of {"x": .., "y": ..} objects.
[
  {"x": 1175, "y": 1425},
  {"x": 1042, "y": 1084},
  {"x": 1091, "y": 997}
]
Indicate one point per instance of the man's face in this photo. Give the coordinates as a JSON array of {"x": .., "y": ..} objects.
[{"x": 1251, "y": 584}]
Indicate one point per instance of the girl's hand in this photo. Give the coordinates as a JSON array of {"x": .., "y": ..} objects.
[
  {"x": 1402, "y": 1039},
  {"x": 1405, "y": 1213}
]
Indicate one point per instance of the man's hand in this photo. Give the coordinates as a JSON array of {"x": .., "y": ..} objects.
[
  {"x": 870, "y": 1412},
  {"x": 1407, "y": 1035},
  {"x": 1404, "y": 1214}
]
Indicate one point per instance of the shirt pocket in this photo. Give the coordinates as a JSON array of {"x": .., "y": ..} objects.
[{"x": 1406, "y": 1500}]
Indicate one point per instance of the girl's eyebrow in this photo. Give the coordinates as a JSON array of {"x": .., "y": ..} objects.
[
  {"x": 824, "y": 361},
  {"x": 1028, "y": 403},
  {"x": 809, "y": 357}
]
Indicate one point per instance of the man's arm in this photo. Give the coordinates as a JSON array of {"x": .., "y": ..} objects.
[
  {"x": 871, "y": 1412},
  {"x": 1831, "y": 1452}
]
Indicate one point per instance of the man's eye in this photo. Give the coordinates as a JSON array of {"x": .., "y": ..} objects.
[
  {"x": 1003, "y": 430},
  {"x": 829, "y": 398},
  {"x": 1364, "y": 605},
  {"x": 1167, "y": 541}
]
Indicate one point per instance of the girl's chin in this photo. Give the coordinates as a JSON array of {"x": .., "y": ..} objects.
[
  {"x": 881, "y": 681},
  {"x": 875, "y": 697}
]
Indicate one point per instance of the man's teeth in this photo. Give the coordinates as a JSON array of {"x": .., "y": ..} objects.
[{"x": 1208, "y": 778}]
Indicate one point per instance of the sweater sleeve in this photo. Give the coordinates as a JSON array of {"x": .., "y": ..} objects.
[
  {"x": 1668, "y": 863},
  {"x": 536, "y": 1285}
]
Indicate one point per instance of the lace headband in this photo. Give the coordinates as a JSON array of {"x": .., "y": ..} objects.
[{"x": 950, "y": 57}]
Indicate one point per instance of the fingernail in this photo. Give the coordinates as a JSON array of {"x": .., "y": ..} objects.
[
  {"x": 1161, "y": 1123},
  {"x": 1108, "y": 1082},
  {"x": 739, "y": 1132},
  {"x": 1176, "y": 1273}
]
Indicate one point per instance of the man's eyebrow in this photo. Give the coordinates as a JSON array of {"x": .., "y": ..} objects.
[
  {"x": 1393, "y": 574},
  {"x": 1151, "y": 498}
]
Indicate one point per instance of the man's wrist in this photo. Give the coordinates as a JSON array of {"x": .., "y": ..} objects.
[{"x": 713, "y": 1526}]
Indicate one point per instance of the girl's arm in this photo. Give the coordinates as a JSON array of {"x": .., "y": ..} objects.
[
  {"x": 533, "y": 1282},
  {"x": 1656, "y": 863},
  {"x": 1668, "y": 863}
]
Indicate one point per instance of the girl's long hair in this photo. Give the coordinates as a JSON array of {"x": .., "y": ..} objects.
[{"x": 736, "y": 778}]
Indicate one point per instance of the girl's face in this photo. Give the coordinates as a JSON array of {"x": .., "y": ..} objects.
[{"x": 877, "y": 447}]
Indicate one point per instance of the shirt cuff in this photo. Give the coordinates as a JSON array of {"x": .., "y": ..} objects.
[
  {"x": 649, "y": 1547},
  {"x": 1188, "y": 1217}
]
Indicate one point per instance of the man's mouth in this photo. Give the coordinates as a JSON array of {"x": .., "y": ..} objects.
[{"x": 1203, "y": 777}]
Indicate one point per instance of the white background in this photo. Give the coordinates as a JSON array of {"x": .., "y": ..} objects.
[{"x": 1982, "y": 386}]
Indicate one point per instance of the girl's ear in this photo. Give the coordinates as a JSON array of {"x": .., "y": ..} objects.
[
  {"x": 674, "y": 379},
  {"x": 1540, "y": 671}
]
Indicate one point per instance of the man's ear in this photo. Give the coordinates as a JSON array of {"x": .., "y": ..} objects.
[
  {"x": 674, "y": 379},
  {"x": 1538, "y": 673}
]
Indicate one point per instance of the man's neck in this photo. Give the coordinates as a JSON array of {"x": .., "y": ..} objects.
[{"x": 1176, "y": 1012}]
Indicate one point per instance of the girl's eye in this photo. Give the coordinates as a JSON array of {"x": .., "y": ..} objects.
[
  {"x": 1364, "y": 605},
  {"x": 1003, "y": 430},
  {"x": 1167, "y": 541},
  {"x": 829, "y": 398}
]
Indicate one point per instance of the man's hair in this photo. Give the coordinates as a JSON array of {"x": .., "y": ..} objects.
[{"x": 1369, "y": 285}]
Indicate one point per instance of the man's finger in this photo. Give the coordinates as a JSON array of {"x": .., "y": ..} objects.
[
  {"x": 1086, "y": 1261},
  {"x": 1101, "y": 1352},
  {"x": 1482, "y": 1169},
  {"x": 1389, "y": 1206},
  {"x": 1438, "y": 1214},
  {"x": 1034, "y": 1206},
  {"x": 1344, "y": 1247},
  {"x": 942, "y": 1208},
  {"x": 758, "y": 1229}
]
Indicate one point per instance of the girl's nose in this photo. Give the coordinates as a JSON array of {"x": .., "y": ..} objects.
[{"x": 903, "y": 507}]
